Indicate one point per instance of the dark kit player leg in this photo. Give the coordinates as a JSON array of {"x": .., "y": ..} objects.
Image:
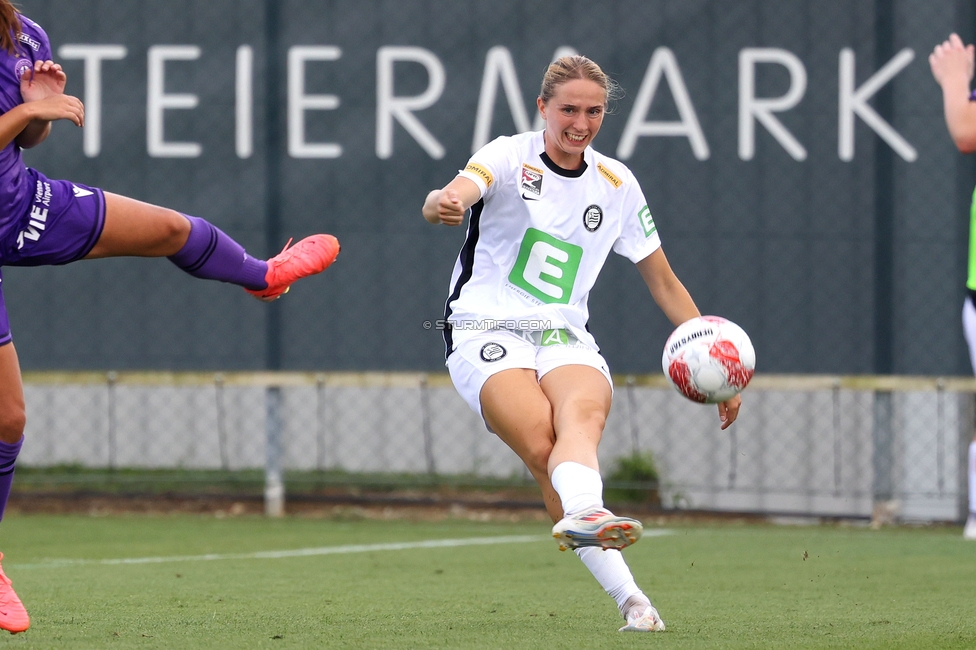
[
  {"x": 13, "y": 419},
  {"x": 134, "y": 228}
]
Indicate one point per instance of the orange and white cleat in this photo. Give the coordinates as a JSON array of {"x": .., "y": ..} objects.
[
  {"x": 13, "y": 615},
  {"x": 597, "y": 527},
  {"x": 311, "y": 255}
]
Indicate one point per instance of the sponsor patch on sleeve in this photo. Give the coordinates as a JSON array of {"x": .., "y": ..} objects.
[
  {"x": 607, "y": 174},
  {"x": 28, "y": 40},
  {"x": 481, "y": 172},
  {"x": 531, "y": 179},
  {"x": 647, "y": 221}
]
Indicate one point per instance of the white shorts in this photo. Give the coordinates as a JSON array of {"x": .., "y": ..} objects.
[{"x": 481, "y": 355}]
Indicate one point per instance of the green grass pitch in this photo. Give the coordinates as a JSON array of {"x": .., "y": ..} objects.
[{"x": 717, "y": 586}]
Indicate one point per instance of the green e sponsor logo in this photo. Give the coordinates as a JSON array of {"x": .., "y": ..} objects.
[
  {"x": 647, "y": 221},
  {"x": 546, "y": 267}
]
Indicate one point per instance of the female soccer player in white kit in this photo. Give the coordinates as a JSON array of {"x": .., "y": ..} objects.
[{"x": 546, "y": 209}]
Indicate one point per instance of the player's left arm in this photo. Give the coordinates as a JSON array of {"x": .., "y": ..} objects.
[
  {"x": 44, "y": 80},
  {"x": 666, "y": 289},
  {"x": 676, "y": 303}
]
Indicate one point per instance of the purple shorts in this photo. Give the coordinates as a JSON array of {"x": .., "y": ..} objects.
[{"x": 62, "y": 224}]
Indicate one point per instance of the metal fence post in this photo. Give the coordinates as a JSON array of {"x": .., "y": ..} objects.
[
  {"x": 320, "y": 420},
  {"x": 882, "y": 458},
  {"x": 940, "y": 435},
  {"x": 221, "y": 422},
  {"x": 274, "y": 486},
  {"x": 427, "y": 427},
  {"x": 632, "y": 415},
  {"x": 838, "y": 450},
  {"x": 967, "y": 418},
  {"x": 112, "y": 379}
]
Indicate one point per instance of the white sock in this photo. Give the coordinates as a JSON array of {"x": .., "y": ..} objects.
[
  {"x": 613, "y": 574},
  {"x": 578, "y": 486},
  {"x": 972, "y": 478}
]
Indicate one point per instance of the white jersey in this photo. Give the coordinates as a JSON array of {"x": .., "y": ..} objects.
[{"x": 539, "y": 237}]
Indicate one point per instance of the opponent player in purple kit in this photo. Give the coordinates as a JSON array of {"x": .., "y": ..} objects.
[{"x": 44, "y": 222}]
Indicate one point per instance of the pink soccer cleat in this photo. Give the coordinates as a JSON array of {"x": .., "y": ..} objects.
[
  {"x": 311, "y": 255},
  {"x": 13, "y": 615}
]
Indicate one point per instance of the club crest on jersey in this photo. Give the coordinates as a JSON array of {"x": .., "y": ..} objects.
[
  {"x": 531, "y": 180},
  {"x": 492, "y": 352},
  {"x": 592, "y": 217},
  {"x": 22, "y": 66}
]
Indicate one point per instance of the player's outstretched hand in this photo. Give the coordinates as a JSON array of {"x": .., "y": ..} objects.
[
  {"x": 728, "y": 411},
  {"x": 952, "y": 60},
  {"x": 45, "y": 79}
]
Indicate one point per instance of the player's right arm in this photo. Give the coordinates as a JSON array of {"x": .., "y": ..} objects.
[
  {"x": 44, "y": 101},
  {"x": 488, "y": 168},
  {"x": 952, "y": 66},
  {"x": 448, "y": 204},
  {"x": 57, "y": 107},
  {"x": 44, "y": 80}
]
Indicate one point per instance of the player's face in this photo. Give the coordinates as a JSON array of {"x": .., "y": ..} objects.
[{"x": 573, "y": 117}]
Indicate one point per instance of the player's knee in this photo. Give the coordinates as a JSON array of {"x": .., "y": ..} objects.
[
  {"x": 595, "y": 420},
  {"x": 176, "y": 228},
  {"x": 13, "y": 420},
  {"x": 586, "y": 416},
  {"x": 536, "y": 455}
]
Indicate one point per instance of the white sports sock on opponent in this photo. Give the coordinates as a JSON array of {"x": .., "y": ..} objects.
[
  {"x": 613, "y": 574},
  {"x": 579, "y": 487}
]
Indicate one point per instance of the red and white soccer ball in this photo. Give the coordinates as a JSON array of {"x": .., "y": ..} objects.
[{"x": 709, "y": 359}]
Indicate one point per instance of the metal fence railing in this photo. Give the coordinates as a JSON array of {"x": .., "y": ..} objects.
[{"x": 805, "y": 445}]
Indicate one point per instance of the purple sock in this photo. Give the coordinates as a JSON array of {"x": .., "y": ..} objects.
[
  {"x": 8, "y": 455},
  {"x": 210, "y": 254}
]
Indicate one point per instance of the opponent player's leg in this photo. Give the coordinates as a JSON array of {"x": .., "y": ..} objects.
[
  {"x": 13, "y": 413},
  {"x": 13, "y": 419},
  {"x": 134, "y": 228}
]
